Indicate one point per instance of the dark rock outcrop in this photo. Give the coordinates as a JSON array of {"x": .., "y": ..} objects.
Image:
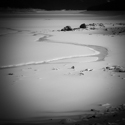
[
  {"x": 93, "y": 24},
  {"x": 73, "y": 67},
  {"x": 67, "y": 28},
  {"x": 116, "y": 68},
  {"x": 81, "y": 73},
  {"x": 10, "y": 74},
  {"x": 92, "y": 28},
  {"x": 83, "y": 26},
  {"x": 101, "y": 25}
]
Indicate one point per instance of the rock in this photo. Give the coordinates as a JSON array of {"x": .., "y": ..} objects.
[
  {"x": 67, "y": 28},
  {"x": 94, "y": 110},
  {"x": 119, "y": 69},
  {"x": 88, "y": 69},
  {"x": 116, "y": 68},
  {"x": 81, "y": 73},
  {"x": 110, "y": 68},
  {"x": 10, "y": 73},
  {"x": 91, "y": 117},
  {"x": 92, "y": 28},
  {"x": 83, "y": 26},
  {"x": 73, "y": 67},
  {"x": 101, "y": 24},
  {"x": 93, "y": 24}
]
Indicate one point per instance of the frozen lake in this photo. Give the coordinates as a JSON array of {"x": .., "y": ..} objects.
[{"x": 56, "y": 88}]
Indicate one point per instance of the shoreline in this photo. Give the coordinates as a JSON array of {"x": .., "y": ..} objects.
[
  {"x": 111, "y": 114},
  {"x": 99, "y": 52}
]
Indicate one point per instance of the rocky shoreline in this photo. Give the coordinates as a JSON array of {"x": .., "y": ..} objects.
[
  {"x": 109, "y": 116},
  {"x": 110, "y": 28}
]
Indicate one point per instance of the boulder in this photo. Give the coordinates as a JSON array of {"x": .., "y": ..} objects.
[
  {"x": 83, "y": 26},
  {"x": 101, "y": 24},
  {"x": 93, "y": 24},
  {"x": 88, "y": 69},
  {"x": 10, "y": 74},
  {"x": 119, "y": 69},
  {"x": 92, "y": 28},
  {"x": 73, "y": 67},
  {"x": 81, "y": 73},
  {"x": 67, "y": 28}
]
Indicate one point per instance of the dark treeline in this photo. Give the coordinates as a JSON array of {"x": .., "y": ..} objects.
[
  {"x": 64, "y": 4},
  {"x": 50, "y": 4},
  {"x": 117, "y": 5}
]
